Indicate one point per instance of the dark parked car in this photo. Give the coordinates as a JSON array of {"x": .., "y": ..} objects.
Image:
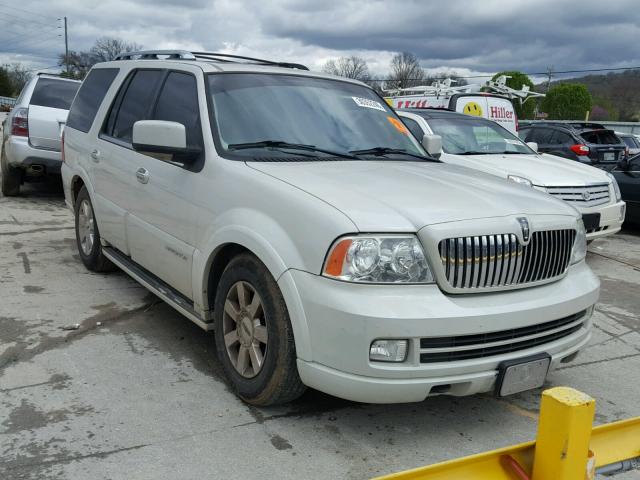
[
  {"x": 585, "y": 142},
  {"x": 627, "y": 174}
]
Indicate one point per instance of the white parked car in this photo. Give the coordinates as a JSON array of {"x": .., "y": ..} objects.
[
  {"x": 31, "y": 132},
  {"x": 294, "y": 215},
  {"x": 484, "y": 145}
]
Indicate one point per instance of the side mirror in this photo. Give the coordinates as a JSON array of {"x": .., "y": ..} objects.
[
  {"x": 432, "y": 144},
  {"x": 533, "y": 146},
  {"x": 623, "y": 164},
  {"x": 160, "y": 136}
]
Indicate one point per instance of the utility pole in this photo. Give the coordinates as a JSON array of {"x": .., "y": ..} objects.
[
  {"x": 549, "y": 75},
  {"x": 66, "y": 46}
]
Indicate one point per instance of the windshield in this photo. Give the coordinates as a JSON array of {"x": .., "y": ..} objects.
[
  {"x": 471, "y": 136},
  {"x": 312, "y": 117}
]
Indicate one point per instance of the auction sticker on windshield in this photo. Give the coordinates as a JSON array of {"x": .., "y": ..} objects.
[{"x": 365, "y": 102}]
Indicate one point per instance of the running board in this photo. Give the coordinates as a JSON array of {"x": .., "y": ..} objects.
[{"x": 157, "y": 286}]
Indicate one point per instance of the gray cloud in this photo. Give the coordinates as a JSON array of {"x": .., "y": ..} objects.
[{"x": 486, "y": 36}]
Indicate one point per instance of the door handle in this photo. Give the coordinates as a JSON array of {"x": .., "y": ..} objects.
[
  {"x": 142, "y": 174},
  {"x": 95, "y": 156}
]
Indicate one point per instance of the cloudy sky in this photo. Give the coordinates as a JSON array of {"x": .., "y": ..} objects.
[{"x": 470, "y": 37}]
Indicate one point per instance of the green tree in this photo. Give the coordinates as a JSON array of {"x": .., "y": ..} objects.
[
  {"x": 525, "y": 110},
  {"x": 6, "y": 87},
  {"x": 567, "y": 101}
]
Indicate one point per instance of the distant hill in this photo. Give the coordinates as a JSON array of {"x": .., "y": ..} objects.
[{"x": 616, "y": 96}]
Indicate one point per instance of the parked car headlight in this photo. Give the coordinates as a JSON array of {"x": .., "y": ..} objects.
[
  {"x": 580, "y": 245},
  {"x": 616, "y": 188},
  {"x": 378, "y": 259},
  {"x": 521, "y": 180}
]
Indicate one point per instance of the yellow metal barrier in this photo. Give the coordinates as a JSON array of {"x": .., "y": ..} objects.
[{"x": 561, "y": 451}]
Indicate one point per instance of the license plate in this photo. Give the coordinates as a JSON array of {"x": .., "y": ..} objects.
[
  {"x": 591, "y": 221},
  {"x": 520, "y": 375},
  {"x": 609, "y": 156}
]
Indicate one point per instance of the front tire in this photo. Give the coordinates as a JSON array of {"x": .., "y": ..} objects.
[
  {"x": 11, "y": 178},
  {"x": 88, "y": 235},
  {"x": 253, "y": 334}
]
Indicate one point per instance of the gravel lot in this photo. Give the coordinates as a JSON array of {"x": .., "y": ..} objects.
[{"x": 137, "y": 393}]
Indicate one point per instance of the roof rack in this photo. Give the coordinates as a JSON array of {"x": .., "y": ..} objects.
[{"x": 211, "y": 56}]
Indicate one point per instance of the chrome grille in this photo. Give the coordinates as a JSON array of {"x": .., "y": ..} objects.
[
  {"x": 588, "y": 196},
  {"x": 488, "y": 261}
]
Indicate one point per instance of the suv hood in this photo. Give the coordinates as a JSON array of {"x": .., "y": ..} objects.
[
  {"x": 543, "y": 170},
  {"x": 392, "y": 196}
]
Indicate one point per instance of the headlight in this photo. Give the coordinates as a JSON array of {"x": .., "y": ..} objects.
[
  {"x": 521, "y": 180},
  {"x": 378, "y": 259},
  {"x": 616, "y": 188},
  {"x": 580, "y": 245}
]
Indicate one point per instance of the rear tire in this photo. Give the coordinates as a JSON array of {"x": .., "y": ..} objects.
[
  {"x": 11, "y": 178},
  {"x": 88, "y": 235},
  {"x": 250, "y": 314}
]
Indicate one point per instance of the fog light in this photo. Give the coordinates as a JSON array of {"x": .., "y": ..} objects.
[{"x": 388, "y": 350}]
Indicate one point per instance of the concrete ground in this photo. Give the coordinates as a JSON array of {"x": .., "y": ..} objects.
[{"x": 137, "y": 393}]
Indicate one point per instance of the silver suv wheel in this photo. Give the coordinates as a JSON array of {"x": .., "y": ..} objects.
[
  {"x": 245, "y": 329},
  {"x": 86, "y": 227}
]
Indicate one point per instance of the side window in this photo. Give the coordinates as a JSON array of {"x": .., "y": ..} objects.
[
  {"x": 135, "y": 103},
  {"x": 522, "y": 134},
  {"x": 89, "y": 97},
  {"x": 413, "y": 127},
  {"x": 561, "y": 138},
  {"x": 178, "y": 102},
  {"x": 541, "y": 136}
]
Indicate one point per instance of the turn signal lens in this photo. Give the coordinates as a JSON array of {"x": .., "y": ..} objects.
[
  {"x": 388, "y": 350},
  {"x": 579, "y": 251}
]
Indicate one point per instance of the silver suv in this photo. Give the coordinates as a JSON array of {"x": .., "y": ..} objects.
[
  {"x": 31, "y": 132},
  {"x": 294, "y": 215}
]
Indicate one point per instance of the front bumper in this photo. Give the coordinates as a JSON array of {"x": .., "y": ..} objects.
[
  {"x": 342, "y": 319},
  {"x": 611, "y": 218},
  {"x": 21, "y": 154}
]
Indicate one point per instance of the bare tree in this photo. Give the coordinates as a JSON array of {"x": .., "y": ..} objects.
[
  {"x": 405, "y": 71},
  {"x": 108, "y": 48},
  {"x": 350, "y": 67},
  {"x": 105, "y": 49},
  {"x": 18, "y": 75}
]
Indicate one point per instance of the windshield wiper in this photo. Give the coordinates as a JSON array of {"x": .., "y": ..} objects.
[
  {"x": 382, "y": 151},
  {"x": 293, "y": 146}
]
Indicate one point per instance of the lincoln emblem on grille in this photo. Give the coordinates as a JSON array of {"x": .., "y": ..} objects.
[{"x": 524, "y": 225}]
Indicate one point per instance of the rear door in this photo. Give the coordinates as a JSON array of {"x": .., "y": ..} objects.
[
  {"x": 48, "y": 110},
  {"x": 605, "y": 148},
  {"x": 542, "y": 136}
]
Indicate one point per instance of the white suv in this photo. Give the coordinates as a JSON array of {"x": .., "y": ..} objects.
[
  {"x": 31, "y": 132},
  {"x": 486, "y": 146},
  {"x": 294, "y": 215}
]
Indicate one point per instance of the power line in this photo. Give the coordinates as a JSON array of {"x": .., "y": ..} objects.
[
  {"x": 48, "y": 17},
  {"x": 29, "y": 40},
  {"x": 24, "y": 19}
]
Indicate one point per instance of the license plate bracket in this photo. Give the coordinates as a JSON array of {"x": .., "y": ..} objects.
[
  {"x": 591, "y": 221},
  {"x": 522, "y": 374}
]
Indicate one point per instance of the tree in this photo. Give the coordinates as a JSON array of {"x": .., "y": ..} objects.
[
  {"x": 18, "y": 76},
  {"x": 105, "y": 49},
  {"x": 6, "y": 89},
  {"x": 525, "y": 110},
  {"x": 108, "y": 48},
  {"x": 405, "y": 71},
  {"x": 567, "y": 101},
  {"x": 349, "y": 67}
]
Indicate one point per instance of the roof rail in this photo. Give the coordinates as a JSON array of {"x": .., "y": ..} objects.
[
  {"x": 212, "y": 56},
  {"x": 226, "y": 57},
  {"x": 156, "y": 54}
]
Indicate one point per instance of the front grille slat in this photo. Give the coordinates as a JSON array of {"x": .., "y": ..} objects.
[
  {"x": 436, "y": 349},
  {"x": 586, "y": 196},
  {"x": 500, "y": 260}
]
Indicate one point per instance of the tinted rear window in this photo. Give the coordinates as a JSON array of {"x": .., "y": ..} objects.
[
  {"x": 53, "y": 93},
  {"x": 89, "y": 98},
  {"x": 600, "y": 137}
]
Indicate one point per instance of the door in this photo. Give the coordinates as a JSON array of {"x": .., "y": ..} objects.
[
  {"x": 629, "y": 183},
  {"x": 48, "y": 110},
  {"x": 161, "y": 217},
  {"x": 111, "y": 157},
  {"x": 542, "y": 136}
]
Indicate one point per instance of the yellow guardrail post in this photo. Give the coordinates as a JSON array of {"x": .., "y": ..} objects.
[{"x": 564, "y": 432}]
